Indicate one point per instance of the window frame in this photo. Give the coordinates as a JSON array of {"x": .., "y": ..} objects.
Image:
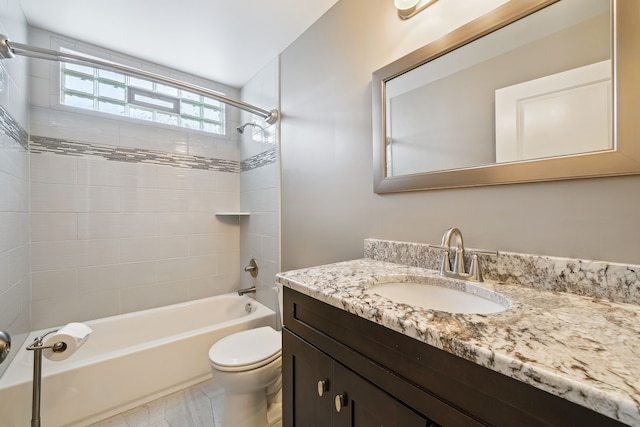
[{"x": 204, "y": 114}]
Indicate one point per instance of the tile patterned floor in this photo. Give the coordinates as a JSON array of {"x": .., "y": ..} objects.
[{"x": 197, "y": 406}]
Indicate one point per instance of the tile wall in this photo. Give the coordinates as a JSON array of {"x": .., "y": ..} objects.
[
  {"x": 123, "y": 212},
  {"x": 111, "y": 237},
  {"x": 14, "y": 184}
]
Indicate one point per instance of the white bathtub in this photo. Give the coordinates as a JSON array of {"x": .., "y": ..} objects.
[{"x": 128, "y": 360}]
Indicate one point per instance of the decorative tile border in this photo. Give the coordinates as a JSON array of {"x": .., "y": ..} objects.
[
  {"x": 10, "y": 127},
  {"x": 259, "y": 160},
  {"x": 41, "y": 144},
  {"x": 595, "y": 279}
]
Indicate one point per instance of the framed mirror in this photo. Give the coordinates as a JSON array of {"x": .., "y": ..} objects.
[{"x": 535, "y": 90}]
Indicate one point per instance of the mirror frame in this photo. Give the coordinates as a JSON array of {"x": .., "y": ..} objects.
[{"x": 623, "y": 159}]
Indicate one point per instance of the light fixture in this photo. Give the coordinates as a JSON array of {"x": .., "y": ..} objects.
[{"x": 409, "y": 8}]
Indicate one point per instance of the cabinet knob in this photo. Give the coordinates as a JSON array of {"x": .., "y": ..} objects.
[
  {"x": 340, "y": 401},
  {"x": 323, "y": 386}
]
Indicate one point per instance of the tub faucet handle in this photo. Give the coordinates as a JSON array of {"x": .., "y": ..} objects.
[
  {"x": 5, "y": 345},
  {"x": 252, "y": 268}
]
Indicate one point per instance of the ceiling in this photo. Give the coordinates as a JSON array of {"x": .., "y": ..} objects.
[{"x": 227, "y": 41}]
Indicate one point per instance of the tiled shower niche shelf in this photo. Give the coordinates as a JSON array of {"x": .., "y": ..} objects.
[{"x": 233, "y": 213}]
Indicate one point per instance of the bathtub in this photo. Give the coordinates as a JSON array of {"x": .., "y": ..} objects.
[{"x": 128, "y": 360}]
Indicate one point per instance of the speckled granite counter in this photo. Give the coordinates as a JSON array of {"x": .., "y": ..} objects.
[{"x": 581, "y": 348}]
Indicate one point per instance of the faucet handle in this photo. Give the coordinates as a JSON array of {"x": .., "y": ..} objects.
[
  {"x": 494, "y": 253},
  {"x": 474, "y": 269},
  {"x": 445, "y": 264}
]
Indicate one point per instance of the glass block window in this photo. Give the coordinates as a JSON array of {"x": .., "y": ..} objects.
[{"x": 115, "y": 93}]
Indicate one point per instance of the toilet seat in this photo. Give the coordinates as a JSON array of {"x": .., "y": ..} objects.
[{"x": 246, "y": 350}]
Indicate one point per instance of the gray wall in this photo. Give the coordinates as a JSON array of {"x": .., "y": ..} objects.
[{"x": 328, "y": 204}]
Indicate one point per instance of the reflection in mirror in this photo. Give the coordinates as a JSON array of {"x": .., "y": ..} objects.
[
  {"x": 423, "y": 135},
  {"x": 513, "y": 105},
  {"x": 560, "y": 114}
]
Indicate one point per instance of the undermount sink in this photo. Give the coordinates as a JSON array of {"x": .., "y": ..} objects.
[{"x": 434, "y": 294}]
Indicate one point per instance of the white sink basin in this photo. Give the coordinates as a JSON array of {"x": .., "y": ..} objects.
[{"x": 472, "y": 299}]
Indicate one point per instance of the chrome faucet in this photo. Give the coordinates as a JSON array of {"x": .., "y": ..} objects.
[
  {"x": 458, "y": 270},
  {"x": 458, "y": 260}
]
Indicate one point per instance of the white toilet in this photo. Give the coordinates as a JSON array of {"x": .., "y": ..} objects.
[{"x": 248, "y": 365}]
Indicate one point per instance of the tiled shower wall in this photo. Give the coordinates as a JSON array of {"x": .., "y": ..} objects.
[
  {"x": 259, "y": 183},
  {"x": 14, "y": 184},
  {"x": 123, "y": 212}
]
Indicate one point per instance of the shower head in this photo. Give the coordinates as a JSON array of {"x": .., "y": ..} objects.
[{"x": 240, "y": 129}]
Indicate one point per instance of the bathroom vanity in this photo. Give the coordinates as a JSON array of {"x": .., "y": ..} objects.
[{"x": 351, "y": 358}]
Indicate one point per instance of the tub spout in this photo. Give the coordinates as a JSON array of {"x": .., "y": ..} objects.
[{"x": 251, "y": 290}]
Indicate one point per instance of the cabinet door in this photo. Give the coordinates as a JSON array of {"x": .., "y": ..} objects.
[
  {"x": 358, "y": 403},
  {"x": 307, "y": 384}
]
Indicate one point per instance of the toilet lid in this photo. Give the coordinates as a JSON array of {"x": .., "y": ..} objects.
[{"x": 246, "y": 350}]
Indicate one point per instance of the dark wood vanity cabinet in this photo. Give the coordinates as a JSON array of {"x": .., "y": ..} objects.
[
  {"x": 326, "y": 393},
  {"x": 377, "y": 377},
  {"x": 309, "y": 376}
]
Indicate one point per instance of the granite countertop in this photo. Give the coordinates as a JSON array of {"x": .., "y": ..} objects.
[{"x": 583, "y": 349}]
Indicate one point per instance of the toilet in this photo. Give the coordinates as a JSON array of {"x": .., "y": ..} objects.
[{"x": 248, "y": 365}]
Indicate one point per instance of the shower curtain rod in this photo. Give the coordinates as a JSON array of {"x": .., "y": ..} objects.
[{"x": 9, "y": 49}]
